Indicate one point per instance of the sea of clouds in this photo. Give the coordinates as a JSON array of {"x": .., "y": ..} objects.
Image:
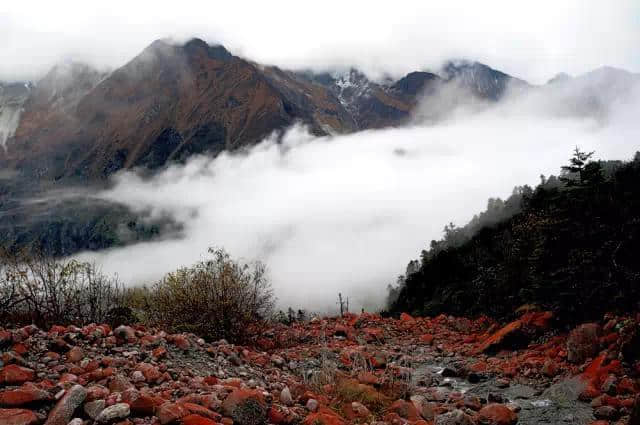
[{"x": 345, "y": 213}]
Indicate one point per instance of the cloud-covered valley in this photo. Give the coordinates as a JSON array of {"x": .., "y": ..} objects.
[{"x": 346, "y": 213}]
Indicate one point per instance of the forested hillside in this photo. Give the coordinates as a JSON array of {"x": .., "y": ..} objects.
[{"x": 569, "y": 245}]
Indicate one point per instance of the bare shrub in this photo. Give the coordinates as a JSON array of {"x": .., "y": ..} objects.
[
  {"x": 217, "y": 298},
  {"x": 43, "y": 290}
]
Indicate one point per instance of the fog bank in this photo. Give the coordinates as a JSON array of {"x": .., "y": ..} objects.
[{"x": 346, "y": 213}]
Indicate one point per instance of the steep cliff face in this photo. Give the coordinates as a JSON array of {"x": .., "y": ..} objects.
[{"x": 12, "y": 99}]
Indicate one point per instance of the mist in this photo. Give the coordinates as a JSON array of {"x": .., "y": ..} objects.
[
  {"x": 530, "y": 40},
  {"x": 346, "y": 213}
]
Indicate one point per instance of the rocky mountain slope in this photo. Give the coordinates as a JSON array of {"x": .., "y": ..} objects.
[
  {"x": 167, "y": 103},
  {"x": 172, "y": 101},
  {"x": 351, "y": 370}
]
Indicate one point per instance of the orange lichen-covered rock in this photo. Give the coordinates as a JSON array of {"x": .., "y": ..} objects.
[{"x": 497, "y": 414}]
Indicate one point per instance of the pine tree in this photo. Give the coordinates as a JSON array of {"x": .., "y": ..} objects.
[{"x": 576, "y": 166}]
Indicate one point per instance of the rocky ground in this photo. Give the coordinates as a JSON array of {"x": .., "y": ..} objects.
[{"x": 352, "y": 370}]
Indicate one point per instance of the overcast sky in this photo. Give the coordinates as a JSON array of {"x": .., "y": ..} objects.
[{"x": 530, "y": 39}]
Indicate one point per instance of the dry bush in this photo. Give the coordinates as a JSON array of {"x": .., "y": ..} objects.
[
  {"x": 45, "y": 291},
  {"x": 327, "y": 371},
  {"x": 217, "y": 298},
  {"x": 350, "y": 390}
]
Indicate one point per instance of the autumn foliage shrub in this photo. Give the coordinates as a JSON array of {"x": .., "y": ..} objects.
[{"x": 215, "y": 298}]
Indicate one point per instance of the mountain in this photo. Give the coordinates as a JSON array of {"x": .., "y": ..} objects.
[
  {"x": 372, "y": 104},
  {"x": 172, "y": 101},
  {"x": 594, "y": 94},
  {"x": 481, "y": 81},
  {"x": 167, "y": 103}
]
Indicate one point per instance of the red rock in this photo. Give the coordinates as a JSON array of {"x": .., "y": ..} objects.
[
  {"x": 355, "y": 410},
  {"x": 406, "y": 318},
  {"x": 26, "y": 394},
  {"x": 583, "y": 342},
  {"x": 57, "y": 330},
  {"x": 550, "y": 368},
  {"x": 245, "y": 407},
  {"x": 20, "y": 348},
  {"x": 75, "y": 355},
  {"x": 52, "y": 355},
  {"x": 497, "y": 414},
  {"x": 426, "y": 339},
  {"x": 181, "y": 342},
  {"x": 324, "y": 416},
  {"x": 342, "y": 330},
  {"x": 499, "y": 336},
  {"x": 589, "y": 392},
  {"x": 393, "y": 419},
  {"x": 211, "y": 380},
  {"x": 5, "y": 337},
  {"x": 374, "y": 334},
  {"x": 119, "y": 383},
  {"x": 202, "y": 411},
  {"x": 405, "y": 410},
  {"x": 14, "y": 374},
  {"x": 150, "y": 372},
  {"x": 18, "y": 417},
  {"x": 148, "y": 340},
  {"x": 141, "y": 403},
  {"x": 275, "y": 416},
  {"x": 72, "y": 399},
  {"x": 159, "y": 353},
  {"x": 478, "y": 366},
  {"x": 197, "y": 420},
  {"x": 265, "y": 344},
  {"x": 96, "y": 392},
  {"x": 626, "y": 386},
  {"x": 91, "y": 366},
  {"x": 171, "y": 412},
  {"x": 378, "y": 360},
  {"x": 367, "y": 378},
  {"x": 537, "y": 319}
]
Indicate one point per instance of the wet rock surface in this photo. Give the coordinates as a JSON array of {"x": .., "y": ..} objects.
[{"x": 352, "y": 370}]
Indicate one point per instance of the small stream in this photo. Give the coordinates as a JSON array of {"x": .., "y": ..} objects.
[{"x": 557, "y": 404}]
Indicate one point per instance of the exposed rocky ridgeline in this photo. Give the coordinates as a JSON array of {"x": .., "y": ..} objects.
[
  {"x": 357, "y": 369},
  {"x": 12, "y": 98}
]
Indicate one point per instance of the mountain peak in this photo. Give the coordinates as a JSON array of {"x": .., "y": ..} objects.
[{"x": 197, "y": 46}]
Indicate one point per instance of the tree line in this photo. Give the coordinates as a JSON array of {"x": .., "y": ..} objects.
[{"x": 568, "y": 245}]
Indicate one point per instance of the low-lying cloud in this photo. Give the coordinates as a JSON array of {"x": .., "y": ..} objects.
[
  {"x": 346, "y": 213},
  {"x": 529, "y": 39}
]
